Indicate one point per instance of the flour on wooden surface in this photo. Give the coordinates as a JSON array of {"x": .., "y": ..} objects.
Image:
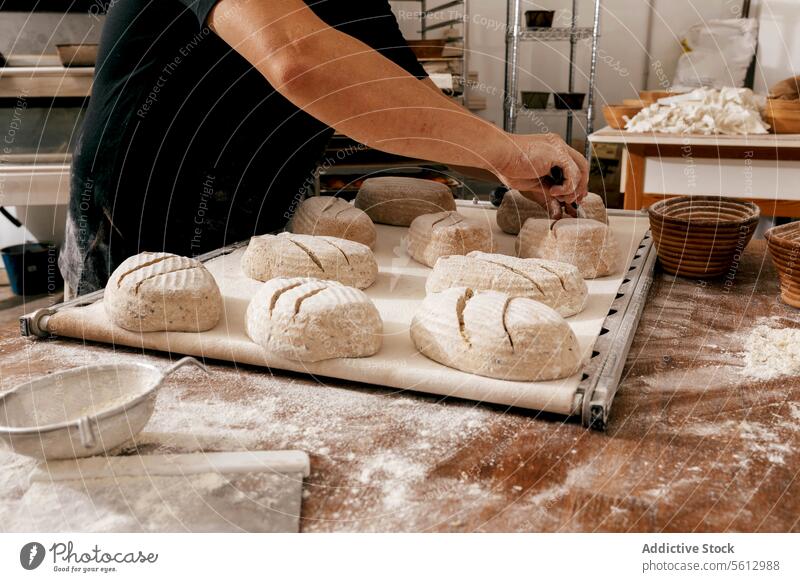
[{"x": 772, "y": 352}]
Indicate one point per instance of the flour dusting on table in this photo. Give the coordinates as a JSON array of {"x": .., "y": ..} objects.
[{"x": 772, "y": 352}]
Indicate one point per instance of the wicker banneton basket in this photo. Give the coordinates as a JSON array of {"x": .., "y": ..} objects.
[
  {"x": 784, "y": 246},
  {"x": 701, "y": 236}
]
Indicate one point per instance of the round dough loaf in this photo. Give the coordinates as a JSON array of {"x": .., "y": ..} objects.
[
  {"x": 301, "y": 255},
  {"x": 309, "y": 320},
  {"x": 515, "y": 209},
  {"x": 593, "y": 208},
  {"x": 162, "y": 292},
  {"x": 588, "y": 244},
  {"x": 496, "y": 335},
  {"x": 398, "y": 201},
  {"x": 446, "y": 233},
  {"x": 332, "y": 216},
  {"x": 557, "y": 285}
]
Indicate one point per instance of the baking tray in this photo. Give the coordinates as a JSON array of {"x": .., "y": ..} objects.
[{"x": 605, "y": 328}]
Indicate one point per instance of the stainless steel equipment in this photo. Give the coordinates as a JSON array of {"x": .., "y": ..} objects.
[{"x": 516, "y": 34}]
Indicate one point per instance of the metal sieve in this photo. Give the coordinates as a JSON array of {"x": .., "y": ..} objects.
[{"x": 83, "y": 411}]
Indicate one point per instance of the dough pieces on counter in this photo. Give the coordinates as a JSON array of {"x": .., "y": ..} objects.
[
  {"x": 398, "y": 201},
  {"x": 309, "y": 320},
  {"x": 557, "y": 285},
  {"x": 162, "y": 292},
  {"x": 594, "y": 208},
  {"x": 332, "y": 216},
  {"x": 446, "y": 233},
  {"x": 515, "y": 209},
  {"x": 301, "y": 255},
  {"x": 588, "y": 244},
  {"x": 493, "y": 334}
]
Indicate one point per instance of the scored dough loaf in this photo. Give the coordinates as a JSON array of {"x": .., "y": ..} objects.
[
  {"x": 309, "y": 320},
  {"x": 398, "y": 201},
  {"x": 515, "y": 209},
  {"x": 301, "y": 255},
  {"x": 557, "y": 285},
  {"x": 588, "y": 244},
  {"x": 332, "y": 216},
  {"x": 496, "y": 335},
  {"x": 593, "y": 208},
  {"x": 446, "y": 233},
  {"x": 162, "y": 292}
]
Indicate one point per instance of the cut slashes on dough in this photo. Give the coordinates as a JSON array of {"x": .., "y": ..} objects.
[
  {"x": 162, "y": 292},
  {"x": 301, "y": 255},
  {"x": 557, "y": 285},
  {"x": 496, "y": 335},
  {"x": 446, "y": 233},
  {"x": 331, "y": 216},
  {"x": 588, "y": 244},
  {"x": 309, "y": 320}
]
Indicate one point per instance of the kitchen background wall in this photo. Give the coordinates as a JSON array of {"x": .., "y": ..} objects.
[{"x": 639, "y": 47}]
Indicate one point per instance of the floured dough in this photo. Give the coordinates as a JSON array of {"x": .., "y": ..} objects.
[
  {"x": 557, "y": 285},
  {"x": 446, "y": 233},
  {"x": 301, "y": 255},
  {"x": 162, "y": 292},
  {"x": 588, "y": 244},
  {"x": 515, "y": 209},
  {"x": 496, "y": 335},
  {"x": 331, "y": 216},
  {"x": 398, "y": 201},
  {"x": 309, "y": 320},
  {"x": 594, "y": 208}
]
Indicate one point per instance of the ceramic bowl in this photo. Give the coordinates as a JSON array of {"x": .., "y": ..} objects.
[
  {"x": 653, "y": 96},
  {"x": 614, "y": 115},
  {"x": 784, "y": 246},
  {"x": 539, "y": 18},
  {"x": 572, "y": 101},
  {"x": 535, "y": 99},
  {"x": 782, "y": 120},
  {"x": 701, "y": 236}
]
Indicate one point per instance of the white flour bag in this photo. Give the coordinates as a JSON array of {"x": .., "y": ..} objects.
[{"x": 717, "y": 54}]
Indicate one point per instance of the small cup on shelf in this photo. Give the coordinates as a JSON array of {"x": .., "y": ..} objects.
[
  {"x": 535, "y": 99},
  {"x": 573, "y": 101}
]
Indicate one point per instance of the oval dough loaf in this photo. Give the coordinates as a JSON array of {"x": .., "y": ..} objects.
[
  {"x": 398, "y": 201},
  {"x": 496, "y": 335},
  {"x": 162, "y": 292},
  {"x": 515, "y": 209},
  {"x": 301, "y": 255},
  {"x": 557, "y": 285},
  {"x": 446, "y": 233},
  {"x": 588, "y": 244},
  {"x": 331, "y": 216},
  {"x": 309, "y": 320},
  {"x": 593, "y": 208}
]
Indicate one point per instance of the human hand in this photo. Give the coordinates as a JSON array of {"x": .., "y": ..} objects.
[{"x": 526, "y": 164}]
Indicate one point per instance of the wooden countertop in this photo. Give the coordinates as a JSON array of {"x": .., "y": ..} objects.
[
  {"x": 769, "y": 140},
  {"x": 692, "y": 444}
]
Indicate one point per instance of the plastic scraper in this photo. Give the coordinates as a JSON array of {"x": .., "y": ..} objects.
[{"x": 251, "y": 491}]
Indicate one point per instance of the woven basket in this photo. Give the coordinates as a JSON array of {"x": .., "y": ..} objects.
[
  {"x": 784, "y": 246},
  {"x": 701, "y": 236}
]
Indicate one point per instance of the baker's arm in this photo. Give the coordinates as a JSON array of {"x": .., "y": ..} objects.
[{"x": 347, "y": 85}]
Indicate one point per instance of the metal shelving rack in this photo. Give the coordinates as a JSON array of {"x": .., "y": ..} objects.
[
  {"x": 426, "y": 13},
  {"x": 517, "y": 34}
]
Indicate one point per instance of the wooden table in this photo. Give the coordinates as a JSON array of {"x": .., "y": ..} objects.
[
  {"x": 692, "y": 444},
  {"x": 761, "y": 168}
]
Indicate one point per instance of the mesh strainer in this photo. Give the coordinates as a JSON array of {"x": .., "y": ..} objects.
[{"x": 83, "y": 411}]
